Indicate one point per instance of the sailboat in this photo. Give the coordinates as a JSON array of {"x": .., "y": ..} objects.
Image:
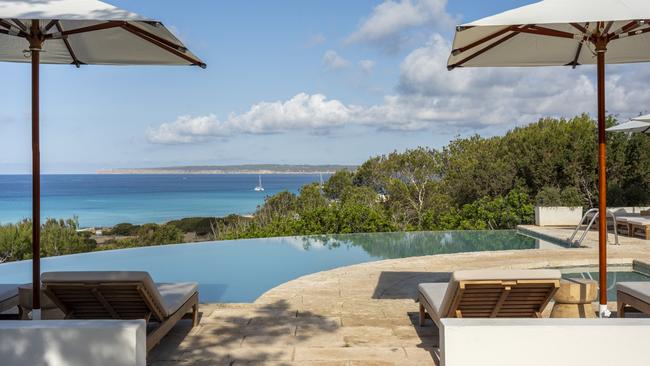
[
  {"x": 259, "y": 187},
  {"x": 321, "y": 180}
]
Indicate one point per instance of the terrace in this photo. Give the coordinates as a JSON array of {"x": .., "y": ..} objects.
[{"x": 363, "y": 314}]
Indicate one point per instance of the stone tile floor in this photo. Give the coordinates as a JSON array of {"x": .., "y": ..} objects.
[{"x": 353, "y": 316}]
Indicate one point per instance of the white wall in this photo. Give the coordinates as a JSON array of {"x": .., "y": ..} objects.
[
  {"x": 537, "y": 342},
  {"x": 73, "y": 343},
  {"x": 557, "y": 216}
]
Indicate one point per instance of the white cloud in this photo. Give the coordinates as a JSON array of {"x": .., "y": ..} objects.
[
  {"x": 390, "y": 18},
  {"x": 367, "y": 66},
  {"x": 333, "y": 61},
  {"x": 479, "y": 97},
  {"x": 303, "y": 111}
]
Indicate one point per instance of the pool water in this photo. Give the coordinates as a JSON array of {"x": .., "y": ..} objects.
[
  {"x": 614, "y": 275},
  {"x": 242, "y": 270}
]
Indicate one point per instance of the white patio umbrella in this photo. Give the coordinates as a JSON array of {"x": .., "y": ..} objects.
[
  {"x": 563, "y": 33},
  {"x": 639, "y": 125},
  {"x": 78, "y": 32}
]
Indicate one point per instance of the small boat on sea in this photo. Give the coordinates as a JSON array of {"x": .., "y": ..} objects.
[{"x": 259, "y": 187}]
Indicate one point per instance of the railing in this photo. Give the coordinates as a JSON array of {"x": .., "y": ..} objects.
[{"x": 588, "y": 227}]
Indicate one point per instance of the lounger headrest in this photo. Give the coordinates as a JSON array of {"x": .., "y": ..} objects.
[
  {"x": 506, "y": 274},
  {"x": 97, "y": 276}
]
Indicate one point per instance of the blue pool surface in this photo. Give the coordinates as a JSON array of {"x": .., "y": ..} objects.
[
  {"x": 242, "y": 270},
  {"x": 613, "y": 277}
]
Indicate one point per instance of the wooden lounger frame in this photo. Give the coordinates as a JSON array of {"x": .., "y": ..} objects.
[
  {"x": 8, "y": 304},
  {"x": 495, "y": 299},
  {"x": 626, "y": 302},
  {"x": 118, "y": 300},
  {"x": 634, "y": 230}
]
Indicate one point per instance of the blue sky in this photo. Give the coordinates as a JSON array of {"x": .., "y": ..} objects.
[{"x": 287, "y": 82}]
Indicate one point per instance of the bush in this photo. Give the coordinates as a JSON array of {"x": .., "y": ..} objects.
[
  {"x": 198, "y": 225},
  {"x": 553, "y": 197},
  {"x": 549, "y": 197},
  {"x": 124, "y": 229},
  {"x": 58, "y": 237}
]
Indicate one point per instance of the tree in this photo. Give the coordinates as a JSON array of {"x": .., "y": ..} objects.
[
  {"x": 413, "y": 178},
  {"x": 337, "y": 184},
  {"x": 310, "y": 199},
  {"x": 475, "y": 167}
]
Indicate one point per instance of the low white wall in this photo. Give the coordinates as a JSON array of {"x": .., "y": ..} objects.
[
  {"x": 557, "y": 216},
  {"x": 73, "y": 342},
  {"x": 537, "y": 342}
]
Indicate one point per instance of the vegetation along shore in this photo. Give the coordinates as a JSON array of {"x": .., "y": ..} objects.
[{"x": 472, "y": 183}]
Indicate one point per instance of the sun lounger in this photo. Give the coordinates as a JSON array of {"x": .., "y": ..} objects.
[
  {"x": 489, "y": 294},
  {"x": 622, "y": 226},
  {"x": 8, "y": 300},
  {"x": 122, "y": 295},
  {"x": 635, "y": 295},
  {"x": 639, "y": 227}
]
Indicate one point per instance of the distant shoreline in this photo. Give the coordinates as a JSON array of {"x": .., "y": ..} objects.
[
  {"x": 262, "y": 172},
  {"x": 235, "y": 169}
]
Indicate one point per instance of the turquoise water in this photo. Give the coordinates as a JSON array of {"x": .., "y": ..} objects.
[
  {"x": 242, "y": 270},
  {"x": 106, "y": 200},
  {"x": 613, "y": 277}
]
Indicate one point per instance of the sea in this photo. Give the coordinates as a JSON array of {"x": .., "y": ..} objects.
[{"x": 105, "y": 200}]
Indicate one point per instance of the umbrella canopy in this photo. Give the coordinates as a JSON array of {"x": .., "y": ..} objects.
[
  {"x": 563, "y": 33},
  {"x": 631, "y": 126},
  {"x": 87, "y": 32},
  {"x": 556, "y": 33},
  {"x": 77, "y": 32}
]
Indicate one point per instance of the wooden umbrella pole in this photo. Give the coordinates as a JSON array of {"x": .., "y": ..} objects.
[
  {"x": 35, "y": 44},
  {"x": 601, "y": 48}
]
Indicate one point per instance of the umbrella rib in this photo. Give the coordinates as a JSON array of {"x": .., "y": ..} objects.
[
  {"x": 91, "y": 28},
  {"x": 51, "y": 24},
  {"x": 579, "y": 27},
  {"x": 626, "y": 28},
  {"x": 631, "y": 34},
  {"x": 157, "y": 38},
  {"x": 75, "y": 61},
  {"x": 20, "y": 25},
  {"x": 608, "y": 27},
  {"x": 542, "y": 31},
  {"x": 11, "y": 29},
  {"x": 9, "y": 33},
  {"x": 162, "y": 45},
  {"x": 486, "y": 48},
  {"x": 575, "y": 63},
  {"x": 483, "y": 40}
]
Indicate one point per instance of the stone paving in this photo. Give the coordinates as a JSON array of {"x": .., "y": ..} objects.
[
  {"x": 590, "y": 241},
  {"x": 351, "y": 316}
]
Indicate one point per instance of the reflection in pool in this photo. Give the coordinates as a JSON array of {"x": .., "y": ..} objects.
[
  {"x": 614, "y": 275},
  {"x": 242, "y": 270}
]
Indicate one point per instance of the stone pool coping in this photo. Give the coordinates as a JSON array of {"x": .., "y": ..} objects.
[{"x": 362, "y": 314}]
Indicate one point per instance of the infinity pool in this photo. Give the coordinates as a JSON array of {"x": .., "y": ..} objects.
[{"x": 242, "y": 270}]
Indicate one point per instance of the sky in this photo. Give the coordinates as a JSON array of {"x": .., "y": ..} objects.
[{"x": 292, "y": 82}]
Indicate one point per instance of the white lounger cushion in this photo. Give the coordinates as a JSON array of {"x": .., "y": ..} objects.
[
  {"x": 7, "y": 291},
  {"x": 640, "y": 290},
  {"x": 168, "y": 296},
  {"x": 433, "y": 293},
  {"x": 174, "y": 295},
  {"x": 638, "y": 221}
]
